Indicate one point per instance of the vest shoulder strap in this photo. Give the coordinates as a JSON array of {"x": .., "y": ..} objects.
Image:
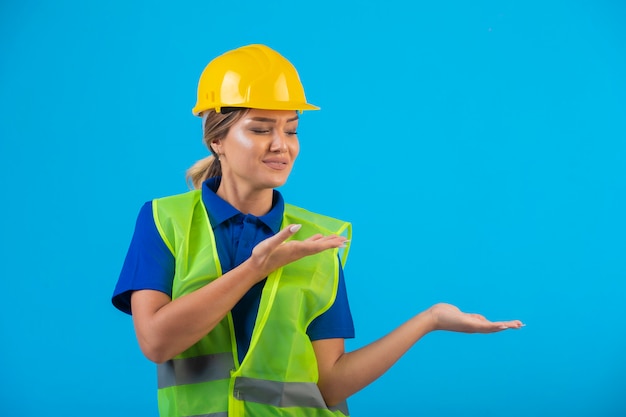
[{"x": 172, "y": 213}]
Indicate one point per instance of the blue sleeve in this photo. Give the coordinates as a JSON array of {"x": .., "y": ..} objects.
[
  {"x": 336, "y": 322},
  {"x": 149, "y": 264}
]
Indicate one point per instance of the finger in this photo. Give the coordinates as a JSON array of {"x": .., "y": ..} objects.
[
  {"x": 288, "y": 231},
  {"x": 315, "y": 238},
  {"x": 332, "y": 238},
  {"x": 317, "y": 244},
  {"x": 284, "y": 234},
  {"x": 294, "y": 228},
  {"x": 333, "y": 241},
  {"x": 513, "y": 324}
]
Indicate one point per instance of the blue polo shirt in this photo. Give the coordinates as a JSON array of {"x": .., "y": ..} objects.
[{"x": 149, "y": 264}]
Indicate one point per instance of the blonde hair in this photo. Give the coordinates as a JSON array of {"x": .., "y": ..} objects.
[{"x": 215, "y": 126}]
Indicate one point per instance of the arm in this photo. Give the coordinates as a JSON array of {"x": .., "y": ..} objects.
[
  {"x": 166, "y": 328},
  {"x": 342, "y": 374}
]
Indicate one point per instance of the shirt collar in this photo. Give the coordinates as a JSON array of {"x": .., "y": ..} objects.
[{"x": 220, "y": 210}]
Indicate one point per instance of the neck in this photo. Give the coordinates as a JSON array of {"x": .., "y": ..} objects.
[{"x": 247, "y": 201}]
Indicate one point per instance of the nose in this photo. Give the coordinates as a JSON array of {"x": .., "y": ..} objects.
[{"x": 279, "y": 142}]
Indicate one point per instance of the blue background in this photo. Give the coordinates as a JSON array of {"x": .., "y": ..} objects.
[{"x": 479, "y": 148}]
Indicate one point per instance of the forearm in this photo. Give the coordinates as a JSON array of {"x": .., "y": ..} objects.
[
  {"x": 165, "y": 329},
  {"x": 343, "y": 374},
  {"x": 354, "y": 370}
]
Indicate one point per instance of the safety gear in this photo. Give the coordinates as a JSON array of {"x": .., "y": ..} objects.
[
  {"x": 279, "y": 373},
  {"x": 253, "y": 76}
]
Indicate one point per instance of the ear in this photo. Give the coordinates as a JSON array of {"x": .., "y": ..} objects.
[{"x": 216, "y": 146}]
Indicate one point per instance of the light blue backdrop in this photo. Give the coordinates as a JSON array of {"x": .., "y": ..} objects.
[{"x": 477, "y": 147}]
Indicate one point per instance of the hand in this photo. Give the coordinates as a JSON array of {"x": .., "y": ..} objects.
[
  {"x": 274, "y": 252},
  {"x": 449, "y": 317}
]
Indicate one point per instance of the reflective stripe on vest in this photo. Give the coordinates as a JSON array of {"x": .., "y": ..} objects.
[
  {"x": 195, "y": 370},
  {"x": 203, "y": 380},
  {"x": 283, "y": 394},
  {"x": 219, "y": 366}
]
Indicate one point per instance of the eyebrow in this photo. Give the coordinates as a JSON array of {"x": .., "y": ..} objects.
[{"x": 269, "y": 119}]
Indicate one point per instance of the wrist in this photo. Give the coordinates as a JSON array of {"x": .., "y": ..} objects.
[
  {"x": 252, "y": 271},
  {"x": 430, "y": 319},
  {"x": 423, "y": 323}
]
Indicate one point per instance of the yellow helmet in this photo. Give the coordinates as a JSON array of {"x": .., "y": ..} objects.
[{"x": 252, "y": 76}]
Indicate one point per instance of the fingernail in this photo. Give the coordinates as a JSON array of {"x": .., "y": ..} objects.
[{"x": 295, "y": 228}]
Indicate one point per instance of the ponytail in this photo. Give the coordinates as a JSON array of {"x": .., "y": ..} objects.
[{"x": 202, "y": 170}]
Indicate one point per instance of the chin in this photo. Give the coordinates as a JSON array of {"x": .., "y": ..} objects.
[
  {"x": 277, "y": 181},
  {"x": 276, "y": 184}
]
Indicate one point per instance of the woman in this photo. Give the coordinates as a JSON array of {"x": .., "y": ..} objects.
[{"x": 239, "y": 297}]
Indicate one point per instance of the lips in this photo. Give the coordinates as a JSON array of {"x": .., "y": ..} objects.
[{"x": 275, "y": 163}]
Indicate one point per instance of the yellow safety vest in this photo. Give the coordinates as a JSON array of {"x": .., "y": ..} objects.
[{"x": 279, "y": 374}]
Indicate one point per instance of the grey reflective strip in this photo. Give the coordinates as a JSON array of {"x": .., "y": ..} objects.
[
  {"x": 342, "y": 406},
  {"x": 282, "y": 394},
  {"x": 195, "y": 370}
]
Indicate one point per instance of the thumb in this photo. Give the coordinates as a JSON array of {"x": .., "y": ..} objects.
[
  {"x": 289, "y": 231},
  {"x": 294, "y": 228},
  {"x": 284, "y": 234}
]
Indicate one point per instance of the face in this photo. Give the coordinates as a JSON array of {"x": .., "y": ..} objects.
[{"x": 259, "y": 150}]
